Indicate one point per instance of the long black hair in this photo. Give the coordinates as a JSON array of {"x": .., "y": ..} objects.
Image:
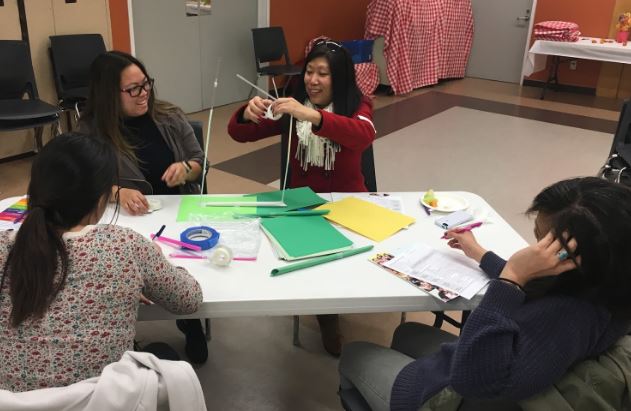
[
  {"x": 597, "y": 214},
  {"x": 346, "y": 94},
  {"x": 71, "y": 178}
]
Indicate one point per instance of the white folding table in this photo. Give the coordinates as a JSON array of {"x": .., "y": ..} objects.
[
  {"x": 587, "y": 48},
  {"x": 350, "y": 285}
]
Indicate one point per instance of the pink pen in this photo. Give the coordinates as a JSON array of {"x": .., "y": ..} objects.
[
  {"x": 464, "y": 228},
  {"x": 190, "y": 256},
  {"x": 176, "y": 242},
  {"x": 203, "y": 257}
]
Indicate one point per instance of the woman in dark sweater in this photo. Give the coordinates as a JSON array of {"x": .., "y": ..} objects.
[
  {"x": 549, "y": 306},
  {"x": 156, "y": 147}
]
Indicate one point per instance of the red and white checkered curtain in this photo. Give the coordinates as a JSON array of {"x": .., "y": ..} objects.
[{"x": 424, "y": 41}]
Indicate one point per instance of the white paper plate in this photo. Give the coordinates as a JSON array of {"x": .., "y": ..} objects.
[{"x": 447, "y": 202}]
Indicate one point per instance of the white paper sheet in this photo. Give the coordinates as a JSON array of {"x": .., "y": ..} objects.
[
  {"x": 8, "y": 225},
  {"x": 449, "y": 271}
]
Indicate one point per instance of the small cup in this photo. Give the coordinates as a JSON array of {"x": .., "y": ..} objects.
[{"x": 154, "y": 204}]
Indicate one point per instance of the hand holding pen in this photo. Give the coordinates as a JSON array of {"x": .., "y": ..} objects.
[
  {"x": 463, "y": 229},
  {"x": 463, "y": 239}
]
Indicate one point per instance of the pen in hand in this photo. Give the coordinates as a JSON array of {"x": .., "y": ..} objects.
[{"x": 464, "y": 228}]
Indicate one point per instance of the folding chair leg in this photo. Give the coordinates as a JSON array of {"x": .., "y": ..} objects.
[
  {"x": 39, "y": 131},
  {"x": 54, "y": 129},
  {"x": 403, "y": 317},
  {"x": 287, "y": 81},
  {"x": 68, "y": 120},
  {"x": 207, "y": 324},
  {"x": 297, "y": 331},
  {"x": 438, "y": 321}
]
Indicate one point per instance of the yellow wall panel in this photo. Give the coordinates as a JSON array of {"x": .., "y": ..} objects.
[
  {"x": 10, "y": 21},
  {"x": 608, "y": 80},
  {"x": 46, "y": 18},
  {"x": 21, "y": 141},
  {"x": 84, "y": 16},
  {"x": 614, "y": 79}
]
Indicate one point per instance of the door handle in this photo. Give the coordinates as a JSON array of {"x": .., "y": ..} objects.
[{"x": 526, "y": 17}]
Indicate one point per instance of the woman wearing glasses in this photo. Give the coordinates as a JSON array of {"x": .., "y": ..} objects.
[
  {"x": 157, "y": 148},
  {"x": 332, "y": 128}
]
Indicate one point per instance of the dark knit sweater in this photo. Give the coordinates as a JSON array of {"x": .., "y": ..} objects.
[{"x": 509, "y": 348}]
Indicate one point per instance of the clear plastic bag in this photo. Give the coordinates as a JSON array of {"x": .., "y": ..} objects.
[{"x": 242, "y": 236}]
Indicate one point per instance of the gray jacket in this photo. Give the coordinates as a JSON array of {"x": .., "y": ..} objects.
[
  {"x": 601, "y": 383},
  {"x": 179, "y": 137}
]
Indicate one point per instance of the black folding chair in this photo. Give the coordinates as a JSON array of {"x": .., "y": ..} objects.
[
  {"x": 17, "y": 80},
  {"x": 617, "y": 167},
  {"x": 71, "y": 57},
  {"x": 269, "y": 46}
]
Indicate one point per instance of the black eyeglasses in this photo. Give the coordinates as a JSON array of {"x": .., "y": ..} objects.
[
  {"x": 332, "y": 45},
  {"x": 135, "y": 91}
]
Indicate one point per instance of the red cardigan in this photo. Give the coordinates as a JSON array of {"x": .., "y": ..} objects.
[{"x": 353, "y": 134}]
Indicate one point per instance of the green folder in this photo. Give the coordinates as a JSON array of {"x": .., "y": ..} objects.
[
  {"x": 191, "y": 209},
  {"x": 301, "y": 237}
]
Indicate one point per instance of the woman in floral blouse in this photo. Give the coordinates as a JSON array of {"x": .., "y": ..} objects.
[{"x": 69, "y": 289}]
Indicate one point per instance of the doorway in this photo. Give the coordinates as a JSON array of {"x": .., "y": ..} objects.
[{"x": 500, "y": 40}]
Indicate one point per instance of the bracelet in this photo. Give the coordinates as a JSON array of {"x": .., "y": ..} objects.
[
  {"x": 515, "y": 283},
  {"x": 187, "y": 166}
]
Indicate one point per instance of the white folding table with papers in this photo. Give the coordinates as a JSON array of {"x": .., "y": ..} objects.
[{"x": 349, "y": 285}]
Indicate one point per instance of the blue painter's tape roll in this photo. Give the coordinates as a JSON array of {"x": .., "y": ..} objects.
[{"x": 202, "y": 236}]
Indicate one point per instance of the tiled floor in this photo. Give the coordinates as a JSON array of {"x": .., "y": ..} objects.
[{"x": 495, "y": 139}]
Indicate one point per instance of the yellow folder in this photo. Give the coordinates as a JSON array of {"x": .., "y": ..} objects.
[{"x": 366, "y": 218}]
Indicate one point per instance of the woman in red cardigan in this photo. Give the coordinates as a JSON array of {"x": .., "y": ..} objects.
[{"x": 332, "y": 128}]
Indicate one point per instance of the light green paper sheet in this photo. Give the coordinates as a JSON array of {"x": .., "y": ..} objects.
[{"x": 191, "y": 209}]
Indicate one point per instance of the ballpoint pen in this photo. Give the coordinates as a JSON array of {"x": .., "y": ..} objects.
[
  {"x": 174, "y": 243},
  {"x": 426, "y": 209},
  {"x": 159, "y": 233},
  {"x": 464, "y": 228}
]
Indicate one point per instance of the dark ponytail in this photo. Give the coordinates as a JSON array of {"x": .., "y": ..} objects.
[{"x": 70, "y": 179}]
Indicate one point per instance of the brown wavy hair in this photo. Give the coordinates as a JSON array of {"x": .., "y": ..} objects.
[{"x": 103, "y": 111}]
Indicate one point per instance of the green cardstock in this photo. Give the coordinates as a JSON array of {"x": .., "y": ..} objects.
[
  {"x": 301, "y": 237},
  {"x": 192, "y": 209}
]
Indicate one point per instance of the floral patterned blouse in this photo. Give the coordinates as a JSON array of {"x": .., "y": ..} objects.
[{"x": 92, "y": 320}]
